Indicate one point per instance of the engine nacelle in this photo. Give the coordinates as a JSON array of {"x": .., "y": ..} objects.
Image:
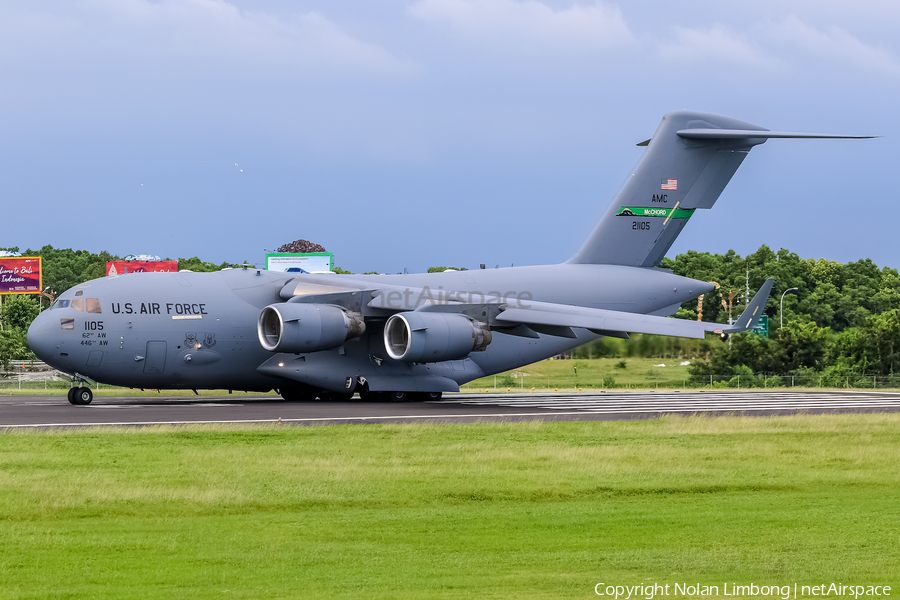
[
  {"x": 433, "y": 337},
  {"x": 297, "y": 327}
]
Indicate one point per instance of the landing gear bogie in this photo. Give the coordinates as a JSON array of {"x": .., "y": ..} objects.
[
  {"x": 335, "y": 396},
  {"x": 297, "y": 395},
  {"x": 80, "y": 396},
  {"x": 398, "y": 396},
  {"x": 367, "y": 396}
]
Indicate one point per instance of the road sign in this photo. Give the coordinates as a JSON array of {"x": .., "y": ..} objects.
[{"x": 762, "y": 328}]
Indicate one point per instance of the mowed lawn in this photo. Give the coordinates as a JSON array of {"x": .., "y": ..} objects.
[
  {"x": 528, "y": 510},
  {"x": 595, "y": 373}
]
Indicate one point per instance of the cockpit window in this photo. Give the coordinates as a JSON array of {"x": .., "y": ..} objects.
[
  {"x": 91, "y": 305},
  {"x": 79, "y": 293},
  {"x": 67, "y": 324}
]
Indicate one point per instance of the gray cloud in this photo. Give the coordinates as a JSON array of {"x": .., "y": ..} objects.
[
  {"x": 578, "y": 27},
  {"x": 212, "y": 34},
  {"x": 835, "y": 45},
  {"x": 717, "y": 44}
]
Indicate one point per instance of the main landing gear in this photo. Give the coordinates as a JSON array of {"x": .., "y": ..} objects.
[
  {"x": 307, "y": 395},
  {"x": 80, "y": 396},
  {"x": 400, "y": 396}
]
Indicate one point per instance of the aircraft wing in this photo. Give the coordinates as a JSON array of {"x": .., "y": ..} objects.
[
  {"x": 609, "y": 322},
  {"x": 534, "y": 317}
]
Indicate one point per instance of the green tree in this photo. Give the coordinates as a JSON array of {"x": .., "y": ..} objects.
[
  {"x": 819, "y": 305},
  {"x": 16, "y": 315},
  {"x": 832, "y": 294},
  {"x": 198, "y": 266},
  {"x": 18, "y": 311},
  {"x": 888, "y": 295},
  {"x": 799, "y": 344},
  {"x": 442, "y": 269},
  {"x": 885, "y": 331},
  {"x": 13, "y": 346},
  {"x": 853, "y": 349}
]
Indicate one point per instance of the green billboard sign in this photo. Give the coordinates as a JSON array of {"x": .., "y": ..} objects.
[{"x": 762, "y": 328}]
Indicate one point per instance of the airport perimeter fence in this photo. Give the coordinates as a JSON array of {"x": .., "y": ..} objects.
[
  {"x": 34, "y": 376},
  {"x": 17, "y": 383},
  {"x": 503, "y": 383},
  {"x": 804, "y": 380}
]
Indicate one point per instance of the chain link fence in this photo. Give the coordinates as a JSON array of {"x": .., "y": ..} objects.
[
  {"x": 37, "y": 377},
  {"x": 802, "y": 380},
  {"x": 748, "y": 380},
  {"x": 34, "y": 376}
]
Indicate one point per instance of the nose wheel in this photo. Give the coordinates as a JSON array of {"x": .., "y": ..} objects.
[{"x": 80, "y": 396}]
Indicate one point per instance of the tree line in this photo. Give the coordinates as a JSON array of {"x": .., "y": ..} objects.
[{"x": 842, "y": 322}]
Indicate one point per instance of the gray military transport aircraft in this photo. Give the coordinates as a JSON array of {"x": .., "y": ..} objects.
[{"x": 409, "y": 336}]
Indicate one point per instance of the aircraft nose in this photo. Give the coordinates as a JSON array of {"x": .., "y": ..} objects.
[{"x": 42, "y": 337}]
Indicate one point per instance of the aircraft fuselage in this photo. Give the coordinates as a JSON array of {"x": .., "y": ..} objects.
[{"x": 199, "y": 330}]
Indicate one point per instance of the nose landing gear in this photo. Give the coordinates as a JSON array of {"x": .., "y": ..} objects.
[{"x": 81, "y": 396}]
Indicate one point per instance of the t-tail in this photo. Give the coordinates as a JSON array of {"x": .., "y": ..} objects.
[{"x": 688, "y": 162}]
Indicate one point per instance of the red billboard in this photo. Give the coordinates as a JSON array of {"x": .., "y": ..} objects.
[
  {"x": 20, "y": 275},
  {"x": 120, "y": 267}
]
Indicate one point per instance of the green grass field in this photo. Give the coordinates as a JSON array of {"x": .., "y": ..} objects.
[
  {"x": 596, "y": 373},
  {"x": 529, "y": 510}
]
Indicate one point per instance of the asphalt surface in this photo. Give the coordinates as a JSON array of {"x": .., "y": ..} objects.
[{"x": 48, "y": 411}]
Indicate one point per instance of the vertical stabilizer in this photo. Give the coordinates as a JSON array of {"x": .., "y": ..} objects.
[{"x": 679, "y": 172}]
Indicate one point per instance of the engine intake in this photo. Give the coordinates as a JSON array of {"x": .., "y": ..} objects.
[
  {"x": 297, "y": 327},
  {"x": 433, "y": 337}
]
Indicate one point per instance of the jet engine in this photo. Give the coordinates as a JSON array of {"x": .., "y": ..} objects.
[
  {"x": 433, "y": 337},
  {"x": 296, "y": 327}
]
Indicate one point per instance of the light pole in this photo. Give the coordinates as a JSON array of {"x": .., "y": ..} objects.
[{"x": 781, "y": 312}]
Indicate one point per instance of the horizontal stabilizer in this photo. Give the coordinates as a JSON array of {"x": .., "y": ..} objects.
[{"x": 739, "y": 134}]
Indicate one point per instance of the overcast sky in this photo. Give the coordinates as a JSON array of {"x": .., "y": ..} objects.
[{"x": 433, "y": 132}]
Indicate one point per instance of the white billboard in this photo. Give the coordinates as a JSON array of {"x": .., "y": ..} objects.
[{"x": 311, "y": 263}]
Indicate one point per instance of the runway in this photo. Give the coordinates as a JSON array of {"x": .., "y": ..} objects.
[{"x": 41, "y": 411}]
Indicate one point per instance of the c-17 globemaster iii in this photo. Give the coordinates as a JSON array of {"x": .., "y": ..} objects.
[{"x": 409, "y": 336}]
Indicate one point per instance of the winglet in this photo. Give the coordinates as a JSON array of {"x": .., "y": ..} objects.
[{"x": 754, "y": 311}]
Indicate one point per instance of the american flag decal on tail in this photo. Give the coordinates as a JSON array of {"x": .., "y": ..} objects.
[{"x": 670, "y": 184}]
